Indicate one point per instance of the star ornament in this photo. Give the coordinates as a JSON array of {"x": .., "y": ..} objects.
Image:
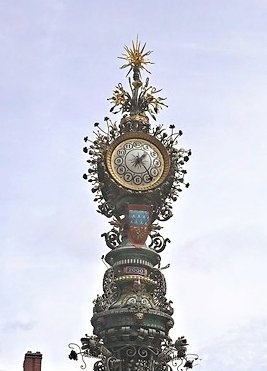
[{"x": 136, "y": 56}]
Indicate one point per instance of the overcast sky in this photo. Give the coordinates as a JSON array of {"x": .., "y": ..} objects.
[{"x": 58, "y": 67}]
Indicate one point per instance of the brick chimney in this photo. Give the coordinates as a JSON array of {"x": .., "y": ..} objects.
[{"x": 32, "y": 361}]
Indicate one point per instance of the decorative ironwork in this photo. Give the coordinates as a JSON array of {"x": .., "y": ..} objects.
[
  {"x": 132, "y": 318},
  {"x": 141, "y": 358},
  {"x": 165, "y": 213},
  {"x": 136, "y": 102},
  {"x": 105, "y": 209},
  {"x": 108, "y": 193},
  {"x": 158, "y": 243},
  {"x": 141, "y": 99},
  {"x": 109, "y": 286},
  {"x": 74, "y": 355},
  {"x": 111, "y": 292},
  {"x": 174, "y": 355},
  {"x": 99, "y": 366},
  {"x": 94, "y": 347},
  {"x": 112, "y": 238}
]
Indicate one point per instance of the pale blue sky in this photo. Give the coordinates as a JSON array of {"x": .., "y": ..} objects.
[{"x": 59, "y": 65}]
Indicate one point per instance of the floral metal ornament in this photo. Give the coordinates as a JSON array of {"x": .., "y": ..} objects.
[{"x": 143, "y": 97}]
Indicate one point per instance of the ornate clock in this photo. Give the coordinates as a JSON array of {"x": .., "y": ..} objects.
[{"x": 138, "y": 161}]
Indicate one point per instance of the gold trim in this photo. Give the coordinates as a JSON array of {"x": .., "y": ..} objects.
[
  {"x": 134, "y": 277},
  {"x": 136, "y": 56},
  {"x": 135, "y": 118},
  {"x": 151, "y": 140}
]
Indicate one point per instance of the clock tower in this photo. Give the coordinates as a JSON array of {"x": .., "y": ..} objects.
[{"x": 136, "y": 171}]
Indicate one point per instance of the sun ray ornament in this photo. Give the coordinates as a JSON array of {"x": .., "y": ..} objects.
[
  {"x": 143, "y": 97},
  {"x": 136, "y": 171},
  {"x": 136, "y": 57}
]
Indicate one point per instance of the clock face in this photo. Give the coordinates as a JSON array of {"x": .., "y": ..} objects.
[{"x": 138, "y": 161}]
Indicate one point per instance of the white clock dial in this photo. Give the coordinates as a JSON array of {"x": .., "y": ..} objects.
[{"x": 137, "y": 162}]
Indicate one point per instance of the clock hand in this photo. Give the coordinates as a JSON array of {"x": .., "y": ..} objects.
[
  {"x": 138, "y": 159},
  {"x": 135, "y": 160},
  {"x": 150, "y": 177},
  {"x": 143, "y": 155}
]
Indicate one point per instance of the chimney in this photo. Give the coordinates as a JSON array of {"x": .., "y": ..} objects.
[{"x": 32, "y": 361}]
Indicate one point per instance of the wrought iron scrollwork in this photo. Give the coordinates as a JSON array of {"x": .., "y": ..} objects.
[
  {"x": 111, "y": 292},
  {"x": 158, "y": 243},
  {"x": 174, "y": 356},
  {"x": 93, "y": 347},
  {"x": 74, "y": 354},
  {"x": 99, "y": 366},
  {"x": 171, "y": 356},
  {"x": 165, "y": 213},
  {"x": 113, "y": 364},
  {"x": 105, "y": 209},
  {"x": 159, "y": 293},
  {"x": 109, "y": 286},
  {"x": 112, "y": 238}
]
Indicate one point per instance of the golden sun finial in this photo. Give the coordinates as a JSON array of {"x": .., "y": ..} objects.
[{"x": 136, "y": 56}]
